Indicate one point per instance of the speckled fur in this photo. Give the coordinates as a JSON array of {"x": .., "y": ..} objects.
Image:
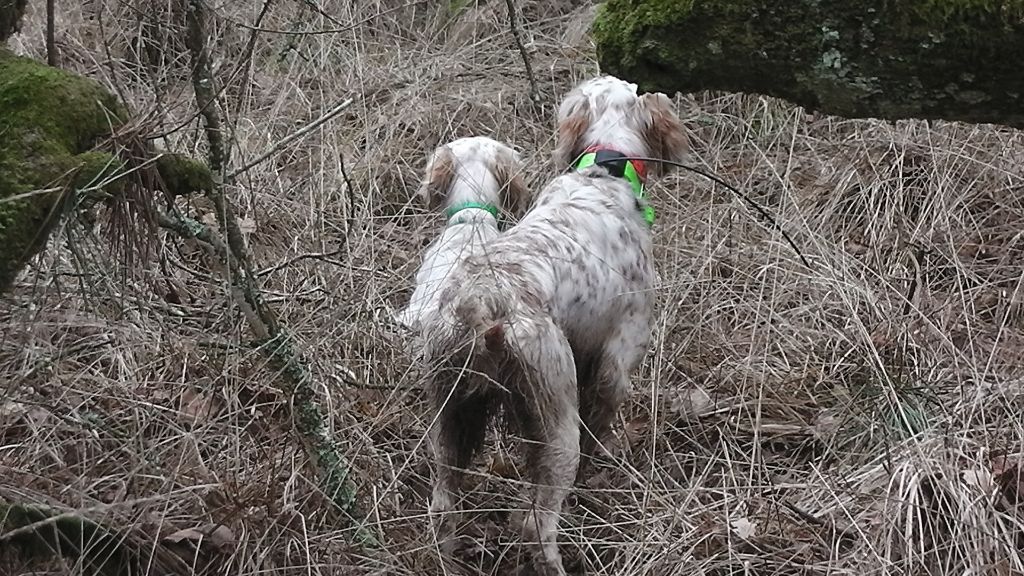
[{"x": 572, "y": 283}]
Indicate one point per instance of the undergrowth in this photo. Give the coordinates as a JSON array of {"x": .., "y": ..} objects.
[{"x": 859, "y": 417}]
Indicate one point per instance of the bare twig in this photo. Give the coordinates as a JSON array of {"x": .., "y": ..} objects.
[
  {"x": 350, "y": 193},
  {"x": 513, "y": 23},
  {"x": 293, "y": 137}
]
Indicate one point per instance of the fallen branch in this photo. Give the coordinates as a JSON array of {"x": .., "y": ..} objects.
[{"x": 43, "y": 532}]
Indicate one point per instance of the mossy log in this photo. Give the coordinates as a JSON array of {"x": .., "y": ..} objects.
[
  {"x": 44, "y": 533},
  {"x": 931, "y": 59},
  {"x": 52, "y": 128}
]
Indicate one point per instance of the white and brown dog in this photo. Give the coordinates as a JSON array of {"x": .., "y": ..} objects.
[
  {"x": 474, "y": 180},
  {"x": 555, "y": 312}
]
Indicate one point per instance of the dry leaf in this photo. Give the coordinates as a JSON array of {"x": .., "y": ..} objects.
[
  {"x": 216, "y": 535},
  {"x": 246, "y": 225},
  {"x": 635, "y": 430},
  {"x": 192, "y": 534},
  {"x": 979, "y": 478},
  {"x": 210, "y": 220},
  {"x": 826, "y": 424},
  {"x": 10, "y": 408},
  {"x": 15, "y": 413},
  {"x": 743, "y": 528},
  {"x": 1007, "y": 475},
  {"x": 367, "y": 408},
  {"x": 222, "y": 538},
  {"x": 502, "y": 466},
  {"x": 199, "y": 406},
  {"x": 692, "y": 403}
]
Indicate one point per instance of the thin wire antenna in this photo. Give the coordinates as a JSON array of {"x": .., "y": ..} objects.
[{"x": 730, "y": 187}]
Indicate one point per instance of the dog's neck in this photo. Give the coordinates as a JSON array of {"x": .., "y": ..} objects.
[
  {"x": 458, "y": 213},
  {"x": 472, "y": 196},
  {"x": 617, "y": 165}
]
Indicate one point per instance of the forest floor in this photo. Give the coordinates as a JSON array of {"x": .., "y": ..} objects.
[{"x": 859, "y": 417}]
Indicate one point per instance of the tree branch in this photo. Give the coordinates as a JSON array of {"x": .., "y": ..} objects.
[
  {"x": 279, "y": 346},
  {"x": 513, "y": 23},
  {"x": 293, "y": 137}
]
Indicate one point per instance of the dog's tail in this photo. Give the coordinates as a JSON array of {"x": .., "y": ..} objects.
[
  {"x": 525, "y": 333},
  {"x": 485, "y": 308}
]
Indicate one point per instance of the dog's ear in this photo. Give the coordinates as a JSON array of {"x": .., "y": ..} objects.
[
  {"x": 573, "y": 122},
  {"x": 663, "y": 131},
  {"x": 508, "y": 170},
  {"x": 438, "y": 178}
]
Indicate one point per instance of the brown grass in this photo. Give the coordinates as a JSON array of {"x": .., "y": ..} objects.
[{"x": 859, "y": 418}]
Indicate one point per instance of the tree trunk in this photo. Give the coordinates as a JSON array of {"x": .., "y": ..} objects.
[
  {"x": 936, "y": 59},
  {"x": 11, "y": 12}
]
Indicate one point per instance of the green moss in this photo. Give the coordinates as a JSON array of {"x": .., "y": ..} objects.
[
  {"x": 183, "y": 175},
  {"x": 873, "y": 58},
  {"x": 50, "y": 122}
]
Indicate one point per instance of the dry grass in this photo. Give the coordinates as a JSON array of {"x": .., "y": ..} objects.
[{"x": 858, "y": 418}]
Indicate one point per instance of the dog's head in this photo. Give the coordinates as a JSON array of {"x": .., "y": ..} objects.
[
  {"x": 475, "y": 169},
  {"x": 609, "y": 112}
]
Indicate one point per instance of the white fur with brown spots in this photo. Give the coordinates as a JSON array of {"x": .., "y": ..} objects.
[{"x": 570, "y": 288}]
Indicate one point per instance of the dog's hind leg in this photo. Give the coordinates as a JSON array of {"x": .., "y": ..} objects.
[
  {"x": 545, "y": 406},
  {"x": 454, "y": 439},
  {"x": 609, "y": 386}
]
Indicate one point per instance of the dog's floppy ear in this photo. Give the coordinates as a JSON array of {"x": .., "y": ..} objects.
[
  {"x": 663, "y": 132},
  {"x": 438, "y": 178},
  {"x": 508, "y": 170},
  {"x": 573, "y": 122}
]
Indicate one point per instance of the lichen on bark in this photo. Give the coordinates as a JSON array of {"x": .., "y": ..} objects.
[{"x": 937, "y": 59}]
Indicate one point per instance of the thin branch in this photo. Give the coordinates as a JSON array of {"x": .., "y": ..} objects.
[
  {"x": 300, "y": 257},
  {"x": 293, "y": 137},
  {"x": 51, "y": 34},
  {"x": 513, "y": 23}
]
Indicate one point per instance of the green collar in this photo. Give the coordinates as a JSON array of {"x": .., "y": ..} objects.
[
  {"x": 453, "y": 210},
  {"x": 629, "y": 174}
]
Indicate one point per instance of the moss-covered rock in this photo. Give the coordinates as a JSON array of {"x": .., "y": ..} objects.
[
  {"x": 182, "y": 175},
  {"x": 50, "y": 121},
  {"x": 948, "y": 59}
]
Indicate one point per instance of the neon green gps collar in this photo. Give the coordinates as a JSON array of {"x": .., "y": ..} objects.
[{"x": 633, "y": 171}]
